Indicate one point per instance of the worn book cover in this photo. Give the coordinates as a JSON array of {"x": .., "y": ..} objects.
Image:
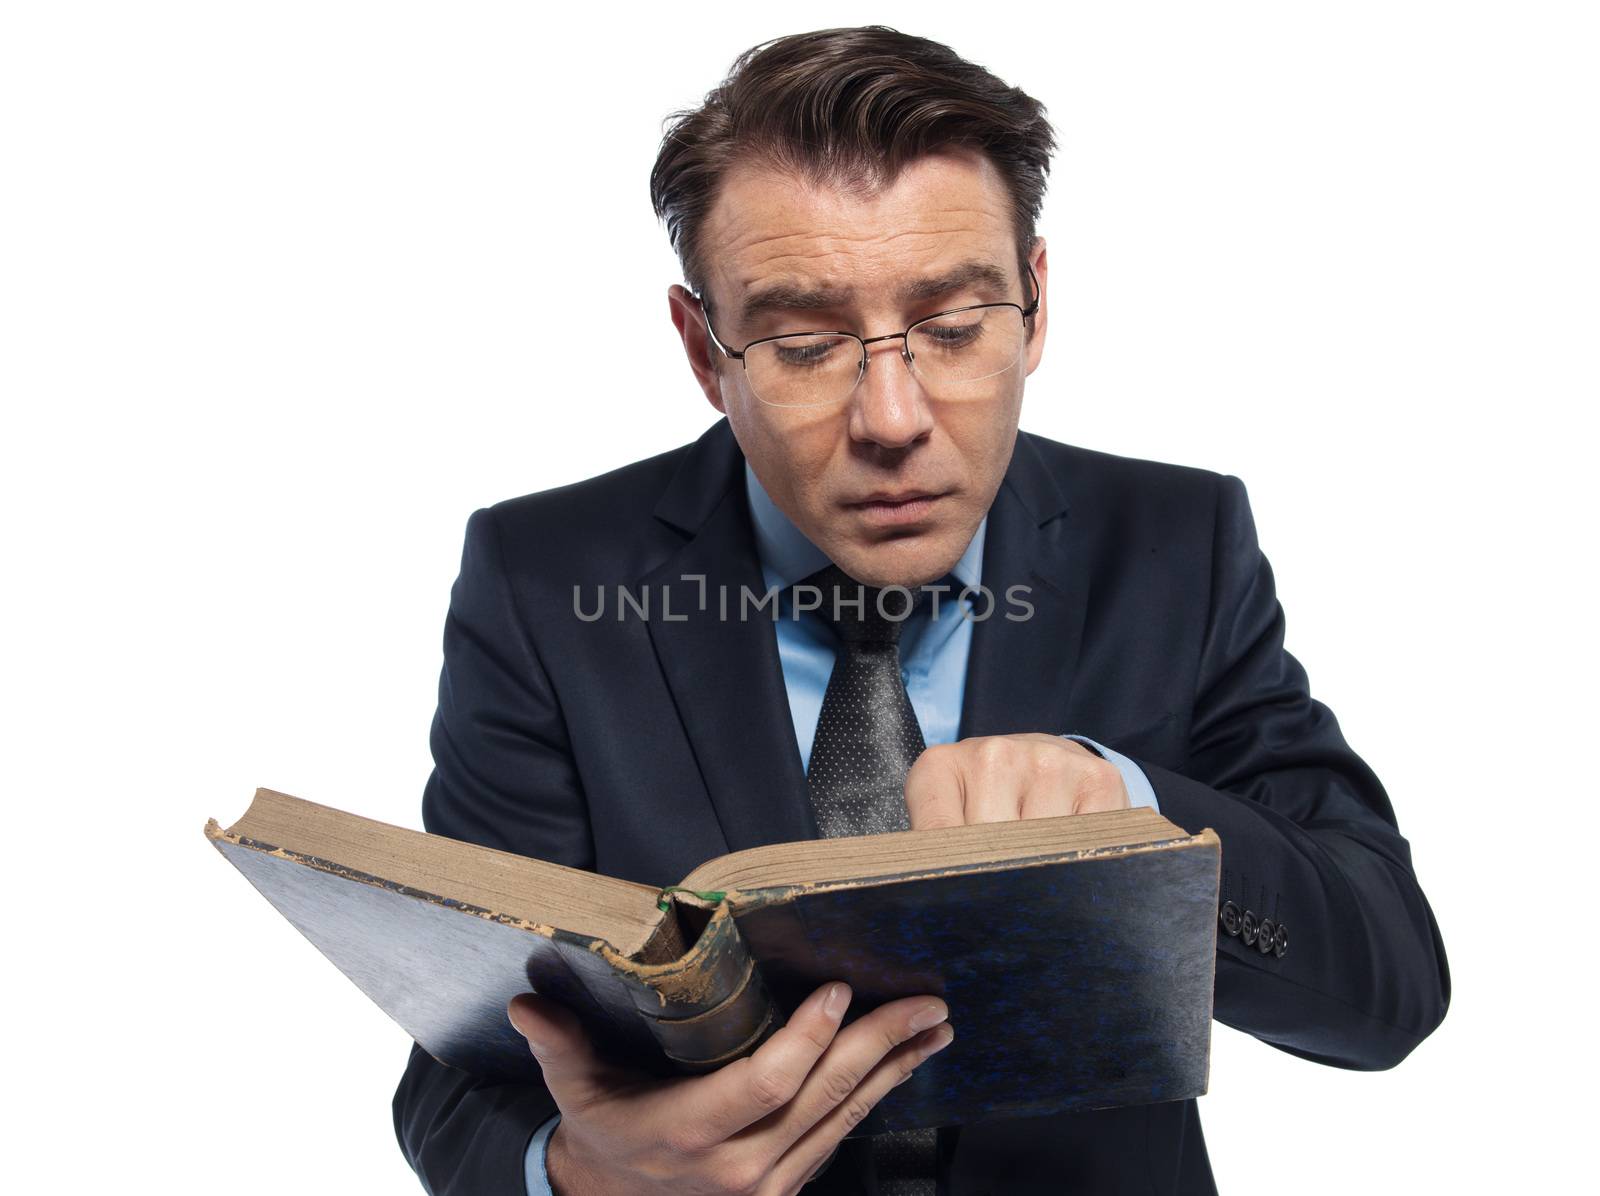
[{"x": 1076, "y": 954}]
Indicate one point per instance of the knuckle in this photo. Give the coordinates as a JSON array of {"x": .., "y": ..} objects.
[
  {"x": 818, "y": 1033},
  {"x": 894, "y": 1033},
  {"x": 741, "y": 1177},
  {"x": 1046, "y": 764},
  {"x": 856, "y": 1110},
  {"x": 838, "y": 1084},
  {"x": 820, "y": 1040},
  {"x": 683, "y": 1140},
  {"x": 770, "y": 1089},
  {"x": 1104, "y": 780},
  {"x": 992, "y": 752}
]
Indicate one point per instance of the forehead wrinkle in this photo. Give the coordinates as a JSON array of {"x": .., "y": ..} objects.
[
  {"x": 756, "y": 239},
  {"x": 941, "y": 193},
  {"x": 794, "y": 266}
]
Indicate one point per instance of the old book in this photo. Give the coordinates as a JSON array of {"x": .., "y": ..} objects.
[{"x": 1077, "y": 954}]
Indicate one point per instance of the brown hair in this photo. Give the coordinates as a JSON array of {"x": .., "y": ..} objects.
[{"x": 851, "y": 108}]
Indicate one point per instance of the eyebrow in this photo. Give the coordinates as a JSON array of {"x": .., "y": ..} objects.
[{"x": 788, "y": 296}]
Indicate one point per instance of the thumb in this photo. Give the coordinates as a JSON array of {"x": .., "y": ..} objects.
[{"x": 558, "y": 1042}]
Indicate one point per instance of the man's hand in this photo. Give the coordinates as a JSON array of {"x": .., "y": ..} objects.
[
  {"x": 998, "y": 778},
  {"x": 759, "y": 1126}
]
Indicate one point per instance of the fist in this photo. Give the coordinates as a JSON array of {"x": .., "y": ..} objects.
[{"x": 996, "y": 778}]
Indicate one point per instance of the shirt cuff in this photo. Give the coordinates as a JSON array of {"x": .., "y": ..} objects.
[
  {"x": 533, "y": 1171},
  {"x": 1140, "y": 791}
]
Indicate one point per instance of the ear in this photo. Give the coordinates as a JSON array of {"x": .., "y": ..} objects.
[
  {"x": 703, "y": 355},
  {"x": 1041, "y": 269}
]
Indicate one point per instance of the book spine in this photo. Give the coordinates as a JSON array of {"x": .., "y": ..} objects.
[{"x": 709, "y": 1007}]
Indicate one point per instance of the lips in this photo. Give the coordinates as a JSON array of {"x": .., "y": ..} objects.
[
  {"x": 891, "y": 508},
  {"x": 894, "y": 498}
]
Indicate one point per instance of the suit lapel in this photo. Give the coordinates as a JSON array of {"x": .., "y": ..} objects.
[
  {"x": 724, "y": 673},
  {"x": 1020, "y": 672},
  {"x": 723, "y": 670}
]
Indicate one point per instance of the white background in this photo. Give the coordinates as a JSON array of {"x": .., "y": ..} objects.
[{"x": 282, "y": 292}]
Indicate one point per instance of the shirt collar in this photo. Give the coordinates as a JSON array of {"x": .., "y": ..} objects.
[{"x": 787, "y": 556}]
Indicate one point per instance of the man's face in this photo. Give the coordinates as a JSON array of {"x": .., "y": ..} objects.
[{"x": 891, "y": 483}]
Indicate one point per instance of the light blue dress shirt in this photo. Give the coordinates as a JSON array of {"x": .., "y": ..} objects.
[{"x": 933, "y": 664}]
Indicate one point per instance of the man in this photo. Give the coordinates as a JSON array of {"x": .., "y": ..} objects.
[{"x": 854, "y": 210}]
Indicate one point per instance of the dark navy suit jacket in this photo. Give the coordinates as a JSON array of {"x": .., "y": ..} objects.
[{"x": 642, "y": 747}]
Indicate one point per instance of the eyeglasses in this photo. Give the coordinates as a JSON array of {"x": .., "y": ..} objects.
[{"x": 951, "y": 353}]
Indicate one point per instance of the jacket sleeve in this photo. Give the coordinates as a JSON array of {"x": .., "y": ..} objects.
[
  {"x": 1309, "y": 839},
  {"x": 503, "y": 777}
]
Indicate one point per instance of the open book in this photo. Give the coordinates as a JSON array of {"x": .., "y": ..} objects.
[{"x": 1076, "y": 954}]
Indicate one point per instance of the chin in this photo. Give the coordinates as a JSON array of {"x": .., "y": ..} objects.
[{"x": 909, "y": 561}]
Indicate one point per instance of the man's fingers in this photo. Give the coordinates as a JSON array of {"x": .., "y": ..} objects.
[
  {"x": 746, "y": 1090},
  {"x": 837, "y": 1078},
  {"x": 936, "y": 789},
  {"x": 814, "y": 1147},
  {"x": 999, "y": 769},
  {"x": 1050, "y": 767},
  {"x": 1099, "y": 787},
  {"x": 997, "y": 778},
  {"x": 558, "y": 1042}
]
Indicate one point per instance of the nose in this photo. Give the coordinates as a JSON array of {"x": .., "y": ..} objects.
[{"x": 889, "y": 406}]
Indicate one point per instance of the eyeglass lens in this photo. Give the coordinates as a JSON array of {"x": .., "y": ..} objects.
[{"x": 950, "y": 354}]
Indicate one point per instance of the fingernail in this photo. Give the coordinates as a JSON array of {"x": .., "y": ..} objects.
[
  {"x": 838, "y": 997},
  {"x": 928, "y": 1015},
  {"x": 942, "y": 1037},
  {"x": 537, "y": 1047}
]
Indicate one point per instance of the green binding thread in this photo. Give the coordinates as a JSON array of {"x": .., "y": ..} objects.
[{"x": 663, "y": 904}]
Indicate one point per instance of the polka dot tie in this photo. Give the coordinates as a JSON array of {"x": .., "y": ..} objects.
[
  {"x": 867, "y": 739},
  {"x": 867, "y": 734}
]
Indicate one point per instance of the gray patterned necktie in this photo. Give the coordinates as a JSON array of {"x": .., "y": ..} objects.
[{"x": 866, "y": 741}]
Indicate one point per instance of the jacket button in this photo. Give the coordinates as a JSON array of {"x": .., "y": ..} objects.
[
  {"x": 1230, "y": 918},
  {"x": 1249, "y": 928},
  {"x": 1280, "y": 941},
  {"x": 1265, "y": 937}
]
